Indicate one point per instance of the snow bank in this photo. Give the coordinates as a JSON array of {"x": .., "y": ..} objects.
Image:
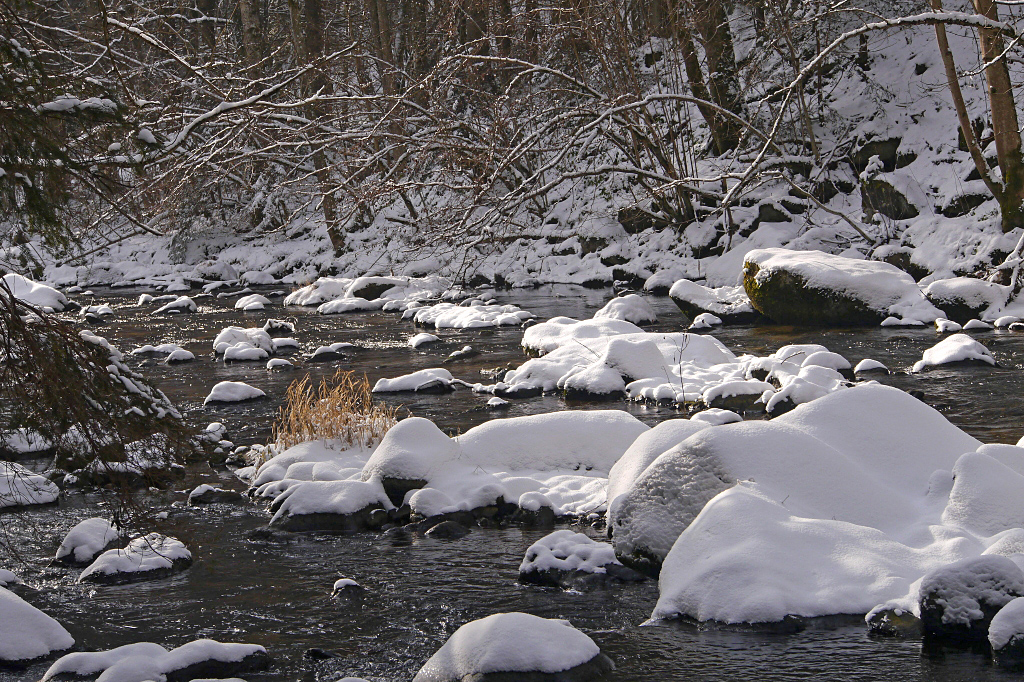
[
  {"x": 835, "y": 507},
  {"x": 955, "y": 348},
  {"x": 19, "y": 486},
  {"x": 631, "y": 308},
  {"x": 151, "y": 554},
  {"x": 87, "y": 539},
  {"x": 509, "y": 643},
  {"x": 33, "y": 293},
  {"x": 26, "y": 632},
  {"x": 233, "y": 392}
]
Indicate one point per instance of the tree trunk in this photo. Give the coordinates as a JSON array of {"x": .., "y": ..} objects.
[
  {"x": 1004, "y": 118},
  {"x": 207, "y": 29},
  {"x": 252, "y": 30}
]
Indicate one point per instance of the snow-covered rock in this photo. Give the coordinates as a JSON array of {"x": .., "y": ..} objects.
[
  {"x": 278, "y": 363},
  {"x": 331, "y": 352},
  {"x": 243, "y": 351},
  {"x": 85, "y": 541},
  {"x": 345, "y": 587},
  {"x": 564, "y": 556},
  {"x": 252, "y": 302},
  {"x": 19, "y": 486},
  {"x": 976, "y": 324},
  {"x": 432, "y": 380},
  {"x": 145, "y": 558},
  {"x": 831, "y": 457},
  {"x": 233, "y": 392},
  {"x": 955, "y": 348},
  {"x": 729, "y": 304},
  {"x": 422, "y": 339},
  {"x": 451, "y": 316},
  {"x": 513, "y": 643},
  {"x": 944, "y": 326},
  {"x": 149, "y": 661},
  {"x": 349, "y": 305},
  {"x": 208, "y": 494},
  {"x": 706, "y": 321},
  {"x": 33, "y": 293},
  {"x": 964, "y": 298},
  {"x": 179, "y": 355},
  {"x": 631, "y": 308},
  {"x": 1006, "y": 635},
  {"x": 181, "y": 304},
  {"x": 329, "y": 505},
  {"x": 869, "y": 365},
  {"x": 958, "y": 601},
  {"x": 816, "y": 288},
  {"x": 254, "y": 336},
  {"x": 26, "y": 632}
]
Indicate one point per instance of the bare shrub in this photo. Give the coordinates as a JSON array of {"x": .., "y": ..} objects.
[{"x": 340, "y": 409}]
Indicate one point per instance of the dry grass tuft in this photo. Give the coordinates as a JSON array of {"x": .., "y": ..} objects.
[{"x": 340, "y": 408}]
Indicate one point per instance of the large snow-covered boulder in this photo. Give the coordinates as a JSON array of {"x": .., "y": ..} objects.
[
  {"x": 729, "y": 304},
  {"x": 145, "y": 558},
  {"x": 85, "y": 541},
  {"x": 26, "y": 632},
  {"x": 966, "y": 298},
  {"x": 507, "y": 646},
  {"x": 201, "y": 658},
  {"x": 825, "y": 456},
  {"x": 819, "y": 289},
  {"x": 20, "y": 487},
  {"x": 959, "y": 601}
]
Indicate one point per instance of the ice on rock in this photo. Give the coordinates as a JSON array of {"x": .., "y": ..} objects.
[
  {"x": 181, "y": 304},
  {"x": 252, "y": 302},
  {"x": 26, "y": 632},
  {"x": 422, "y": 339},
  {"x": 150, "y": 556},
  {"x": 34, "y": 293},
  {"x": 631, "y": 308},
  {"x": 831, "y": 459},
  {"x": 86, "y": 540},
  {"x": 233, "y": 392},
  {"x": 955, "y": 348},
  {"x": 19, "y": 486},
  {"x": 433, "y": 379},
  {"x": 513, "y": 643},
  {"x": 149, "y": 661}
]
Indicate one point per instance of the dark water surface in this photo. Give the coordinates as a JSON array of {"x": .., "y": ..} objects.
[{"x": 419, "y": 589}]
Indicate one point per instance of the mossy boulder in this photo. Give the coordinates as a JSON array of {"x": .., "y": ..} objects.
[{"x": 787, "y": 298}]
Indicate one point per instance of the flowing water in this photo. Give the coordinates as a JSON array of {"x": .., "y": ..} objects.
[{"x": 275, "y": 591}]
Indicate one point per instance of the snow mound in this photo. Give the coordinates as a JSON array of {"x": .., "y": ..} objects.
[
  {"x": 150, "y": 553},
  {"x": 19, "y": 486},
  {"x": 477, "y": 316},
  {"x": 509, "y": 643},
  {"x": 565, "y": 550},
  {"x": 26, "y": 632},
  {"x": 33, "y": 293},
  {"x": 436, "y": 378},
  {"x": 233, "y": 392},
  {"x": 955, "y": 348},
  {"x": 86, "y": 540},
  {"x": 631, "y": 308}
]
